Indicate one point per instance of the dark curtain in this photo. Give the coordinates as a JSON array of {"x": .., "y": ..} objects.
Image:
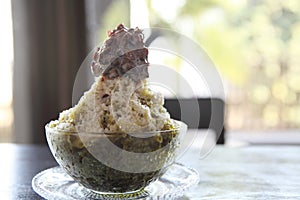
[{"x": 49, "y": 46}]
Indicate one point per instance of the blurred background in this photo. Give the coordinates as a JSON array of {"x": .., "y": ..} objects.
[{"x": 255, "y": 44}]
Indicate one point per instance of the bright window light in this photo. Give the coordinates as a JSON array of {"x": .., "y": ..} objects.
[{"x": 6, "y": 63}]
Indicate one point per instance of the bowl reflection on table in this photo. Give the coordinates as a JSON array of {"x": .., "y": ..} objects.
[{"x": 137, "y": 162}]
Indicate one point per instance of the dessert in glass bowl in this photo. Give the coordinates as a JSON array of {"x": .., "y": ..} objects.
[{"x": 119, "y": 137}]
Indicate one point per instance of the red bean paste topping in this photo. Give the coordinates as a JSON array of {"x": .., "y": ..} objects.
[{"x": 123, "y": 53}]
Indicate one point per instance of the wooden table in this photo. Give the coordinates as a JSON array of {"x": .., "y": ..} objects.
[
  {"x": 254, "y": 172},
  {"x": 19, "y": 165}
]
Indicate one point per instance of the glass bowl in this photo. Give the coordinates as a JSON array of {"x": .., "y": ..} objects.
[{"x": 115, "y": 163}]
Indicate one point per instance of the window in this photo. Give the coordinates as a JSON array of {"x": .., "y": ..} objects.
[
  {"x": 255, "y": 46},
  {"x": 6, "y": 63}
]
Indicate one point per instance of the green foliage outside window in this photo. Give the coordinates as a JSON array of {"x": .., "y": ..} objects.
[{"x": 255, "y": 44}]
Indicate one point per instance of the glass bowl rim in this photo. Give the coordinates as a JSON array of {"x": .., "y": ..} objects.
[{"x": 178, "y": 127}]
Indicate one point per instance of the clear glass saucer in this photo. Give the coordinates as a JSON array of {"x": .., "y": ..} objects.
[{"x": 55, "y": 184}]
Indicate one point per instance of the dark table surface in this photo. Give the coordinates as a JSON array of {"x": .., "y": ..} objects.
[
  {"x": 20, "y": 164},
  {"x": 250, "y": 172}
]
